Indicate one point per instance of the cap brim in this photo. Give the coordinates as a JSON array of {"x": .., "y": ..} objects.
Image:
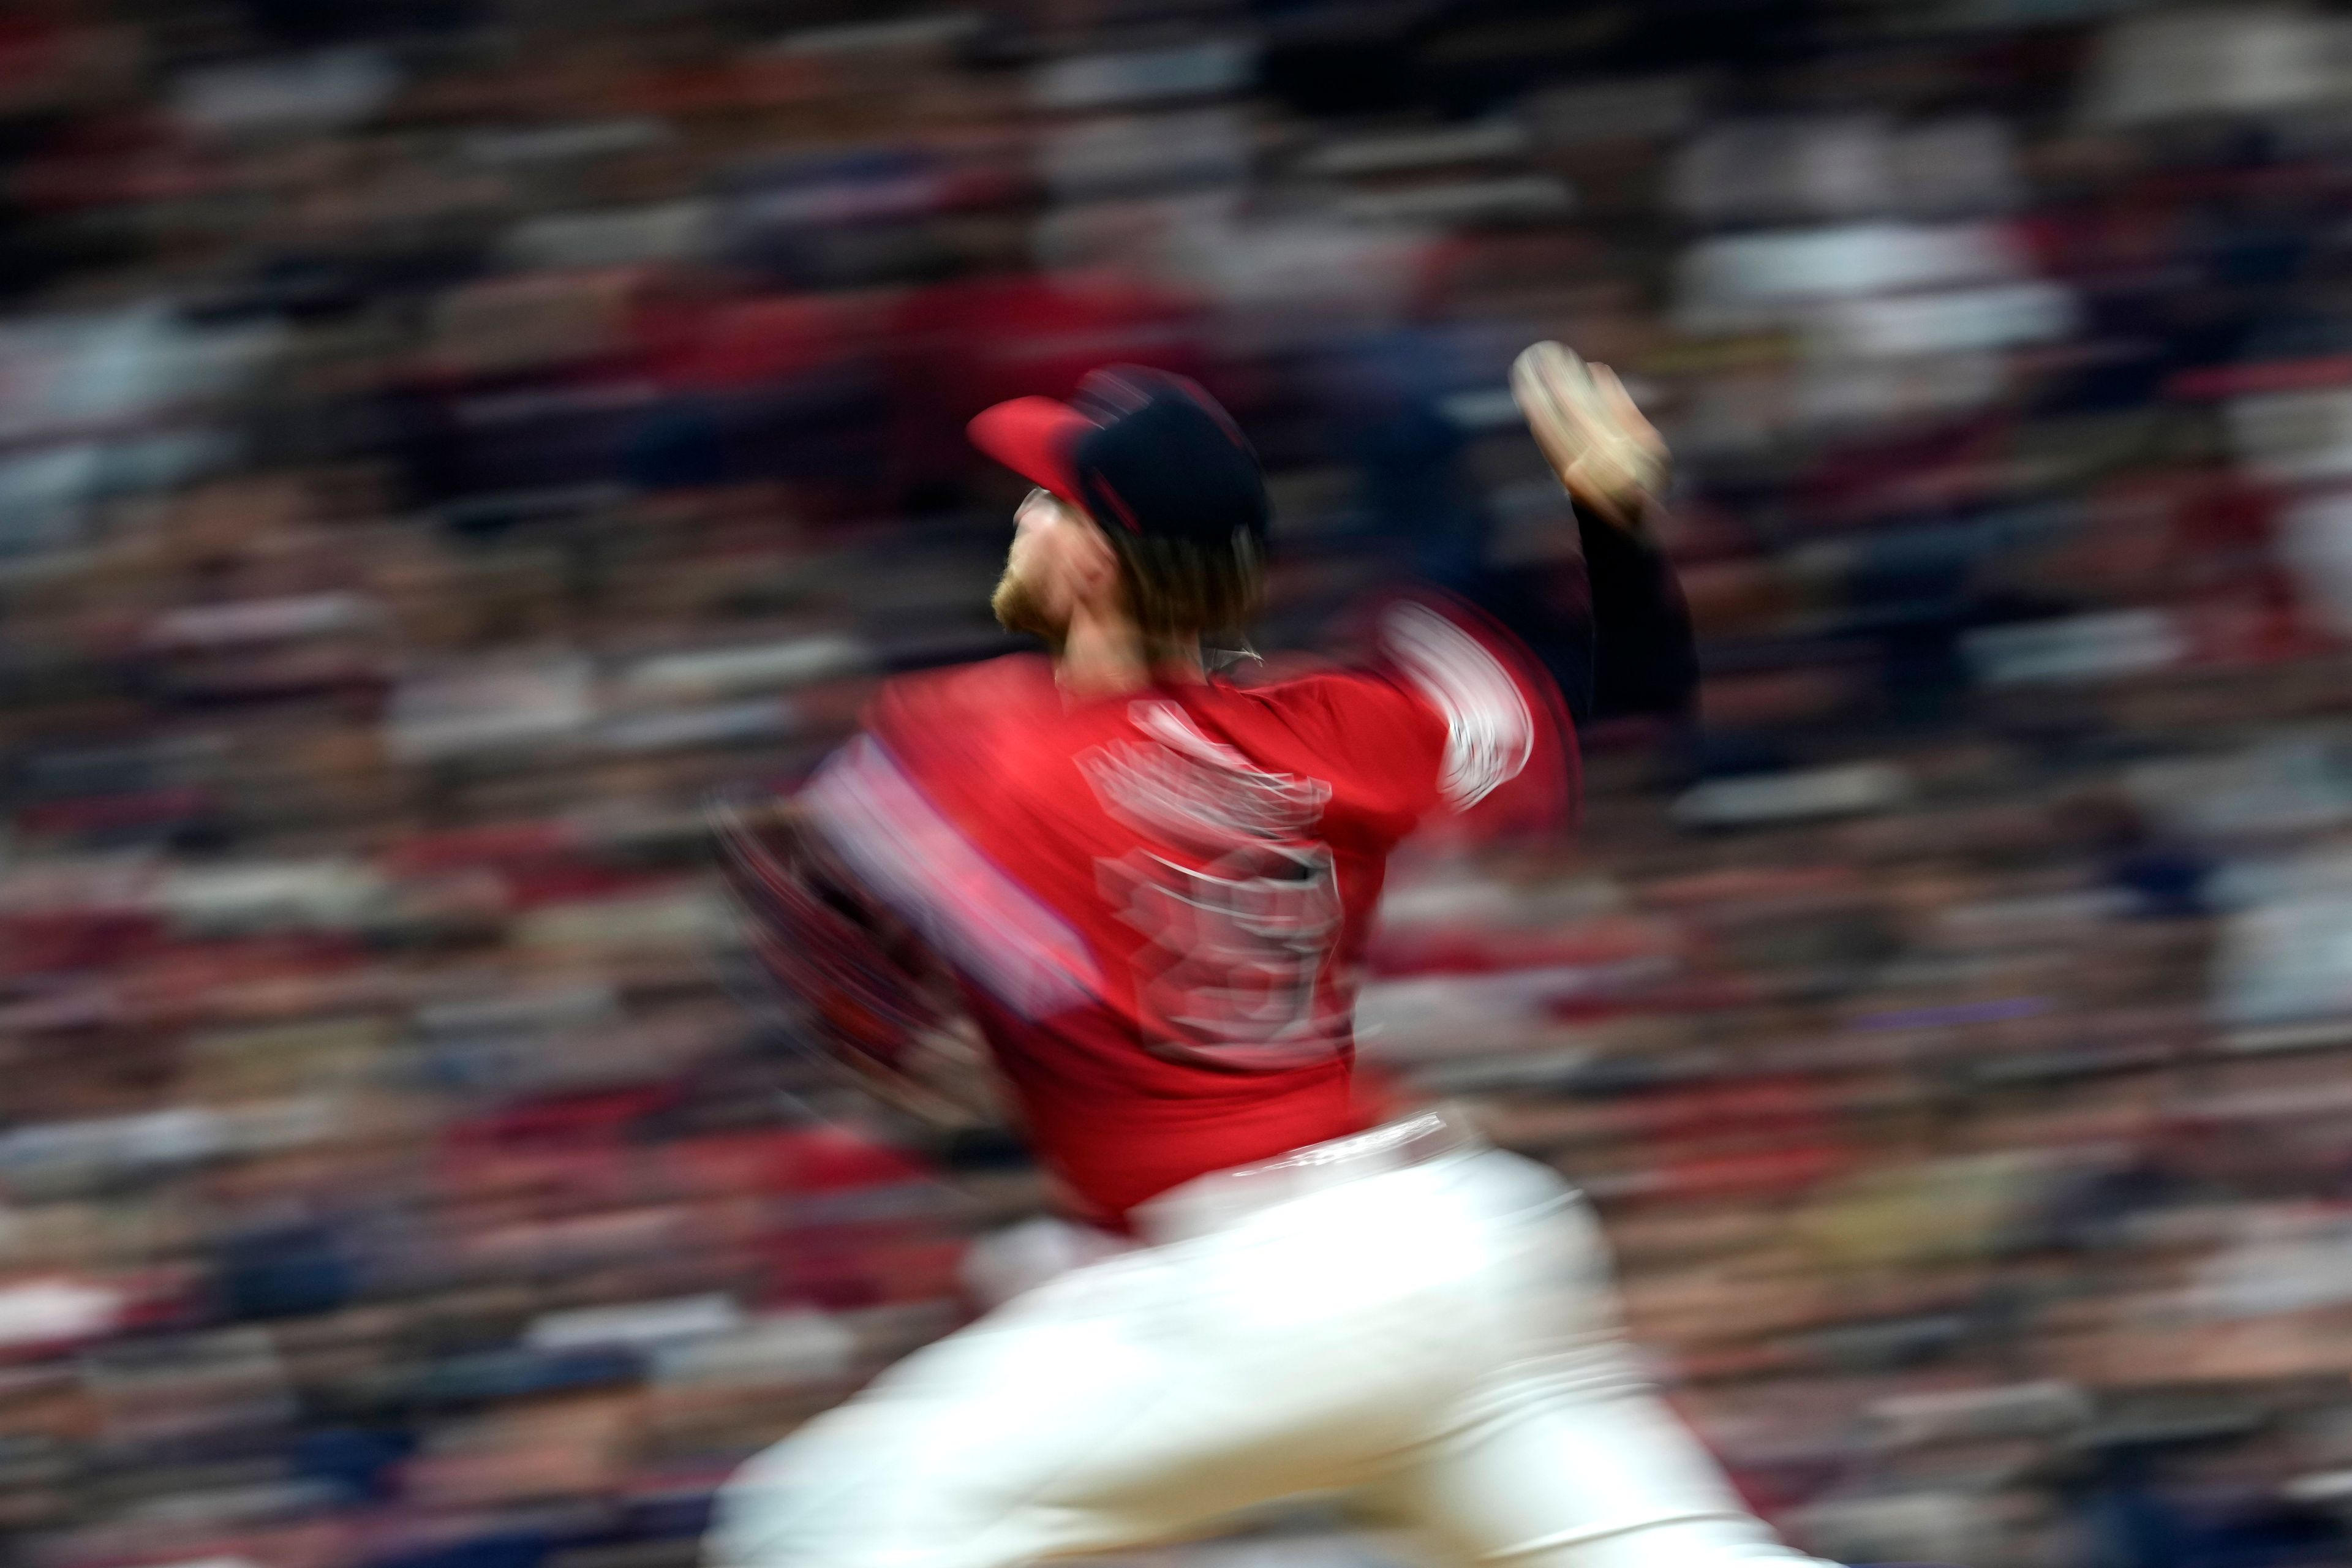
[{"x": 1034, "y": 436}]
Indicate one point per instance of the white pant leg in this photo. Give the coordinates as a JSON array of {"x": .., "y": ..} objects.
[
  {"x": 1132, "y": 1401},
  {"x": 1562, "y": 1455},
  {"x": 1439, "y": 1339},
  {"x": 1568, "y": 1476}
]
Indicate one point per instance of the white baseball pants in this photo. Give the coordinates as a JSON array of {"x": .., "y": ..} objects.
[{"x": 1435, "y": 1343}]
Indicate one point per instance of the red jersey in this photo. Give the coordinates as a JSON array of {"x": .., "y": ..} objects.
[{"x": 1156, "y": 904}]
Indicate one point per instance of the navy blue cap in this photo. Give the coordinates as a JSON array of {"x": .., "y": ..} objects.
[{"x": 1143, "y": 451}]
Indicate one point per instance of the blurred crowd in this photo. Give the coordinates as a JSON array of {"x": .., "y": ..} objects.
[{"x": 444, "y": 441}]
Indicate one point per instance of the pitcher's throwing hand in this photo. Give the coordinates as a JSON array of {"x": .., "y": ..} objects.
[{"x": 1608, "y": 455}]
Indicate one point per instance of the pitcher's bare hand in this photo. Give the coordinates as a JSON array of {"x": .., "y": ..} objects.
[{"x": 1610, "y": 457}]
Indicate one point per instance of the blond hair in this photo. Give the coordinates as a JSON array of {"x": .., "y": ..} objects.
[{"x": 1179, "y": 591}]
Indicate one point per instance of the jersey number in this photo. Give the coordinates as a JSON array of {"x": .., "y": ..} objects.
[{"x": 1234, "y": 968}]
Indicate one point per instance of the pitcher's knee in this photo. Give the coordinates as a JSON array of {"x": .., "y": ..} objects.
[
  {"x": 767, "y": 1516},
  {"x": 827, "y": 1499},
  {"x": 1700, "y": 1540}
]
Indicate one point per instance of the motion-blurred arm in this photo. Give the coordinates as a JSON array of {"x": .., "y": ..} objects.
[
  {"x": 1645, "y": 658},
  {"x": 853, "y": 981},
  {"x": 1613, "y": 465}
]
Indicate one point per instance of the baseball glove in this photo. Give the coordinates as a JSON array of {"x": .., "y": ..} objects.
[{"x": 852, "y": 979}]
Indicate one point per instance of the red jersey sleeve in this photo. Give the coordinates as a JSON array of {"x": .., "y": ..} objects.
[{"x": 1450, "y": 718}]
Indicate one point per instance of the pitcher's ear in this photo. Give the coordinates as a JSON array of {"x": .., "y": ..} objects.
[{"x": 1094, "y": 564}]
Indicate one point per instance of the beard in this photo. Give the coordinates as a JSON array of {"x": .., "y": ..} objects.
[{"x": 1018, "y": 609}]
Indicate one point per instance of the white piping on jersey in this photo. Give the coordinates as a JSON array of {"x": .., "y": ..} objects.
[
  {"x": 974, "y": 914},
  {"x": 1172, "y": 726},
  {"x": 1490, "y": 735}
]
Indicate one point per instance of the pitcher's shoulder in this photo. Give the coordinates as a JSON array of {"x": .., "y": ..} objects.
[{"x": 1310, "y": 690}]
